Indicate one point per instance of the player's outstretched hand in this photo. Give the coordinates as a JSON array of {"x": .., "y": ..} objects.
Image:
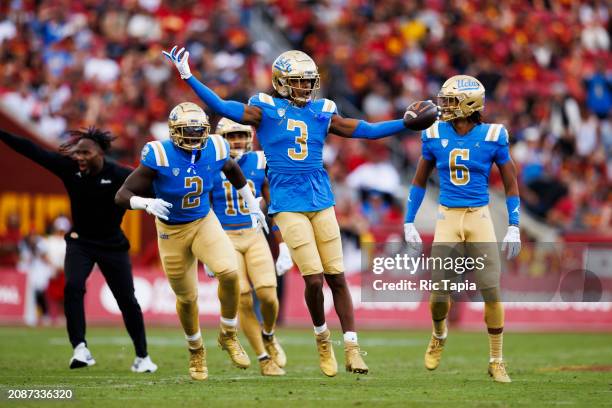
[
  {"x": 421, "y": 115},
  {"x": 512, "y": 242},
  {"x": 257, "y": 216},
  {"x": 284, "y": 261},
  {"x": 413, "y": 239},
  {"x": 180, "y": 59}
]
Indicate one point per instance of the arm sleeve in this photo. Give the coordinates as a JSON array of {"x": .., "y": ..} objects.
[
  {"x": 230, "y": 109},
  {"x": 415, "y": 198},
  {"x": 52, "y": 161},
  {"x": 367, "y": 130},
  {"x": 513, "y": 205}
]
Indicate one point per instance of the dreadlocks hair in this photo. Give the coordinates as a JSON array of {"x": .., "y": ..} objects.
[
  {"x": 101, "y": 137},
  {"x": 475, "y": 118}
]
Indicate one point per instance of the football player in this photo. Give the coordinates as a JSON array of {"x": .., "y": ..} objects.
[
  {"x": 463, "y": 149},
  {"x": 180, "y": 172},
  {"x": 255, "y": 262},
  {"x": 292, "y": 125}
]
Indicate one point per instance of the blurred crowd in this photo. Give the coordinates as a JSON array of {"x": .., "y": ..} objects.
[
  {"x": 546, "y": 66},
  {"x": 41, "y": 259}
]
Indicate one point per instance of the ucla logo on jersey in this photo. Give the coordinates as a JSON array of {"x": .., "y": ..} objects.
[
  {"x": 281, "y": 112},
  {"x": 283, "y": 64},
  {"x": 467, "y": 85},
  {"x": 444, "y": 142},
  {"x": 176, "y": 171}
]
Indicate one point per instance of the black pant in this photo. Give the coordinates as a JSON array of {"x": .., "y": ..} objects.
[{"x": 117, "y": 270}]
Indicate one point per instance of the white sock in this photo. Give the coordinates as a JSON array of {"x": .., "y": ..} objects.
[
  {"x": 229, "y": 322},
  {"x": 193, "y": 337},
  {"x": 499, "y": 360},
  {"x": 442, "y": 337},
  {"x": 262, "y": 356},
  {"x": 320, "y": 329},
  {"x": 350, "y": 337},
  {"x": 266, "y": 333}
]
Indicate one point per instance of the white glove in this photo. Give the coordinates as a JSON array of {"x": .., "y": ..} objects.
[
  {"x": 209, "y": 271},
  {"x": 258, "y": 218},
  {"x": 180, "y": 61},
  {"x": 512, "y": 241},
  {"x": 154, "y": 206},
  {"x": 413, "y": 239},
  {"x": 284, "y": 261}
]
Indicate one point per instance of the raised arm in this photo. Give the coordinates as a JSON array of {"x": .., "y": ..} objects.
[
  {"x": 52, "y": 161},
  {"x": 135, "y": 186},
  {"x": 236, "y": 111}
]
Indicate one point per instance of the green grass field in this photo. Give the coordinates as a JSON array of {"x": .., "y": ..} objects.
[{"x": 38, "y": 358}]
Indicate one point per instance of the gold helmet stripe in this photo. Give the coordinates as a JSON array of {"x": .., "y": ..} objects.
[
  {"x": 265, "y": 98},
  {"x": 261, "y": 160},
  {"x": 432, "y": 131},
  {"x": 160, "y": 154},
  {"x": 493, "y": 132}
]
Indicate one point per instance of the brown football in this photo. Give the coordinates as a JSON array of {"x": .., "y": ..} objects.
[{"x": 421, "y": 115}]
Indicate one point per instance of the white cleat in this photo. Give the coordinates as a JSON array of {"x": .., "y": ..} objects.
[
  {"x": 81, "y": 357},
  {"x": 144, "y": 365}
]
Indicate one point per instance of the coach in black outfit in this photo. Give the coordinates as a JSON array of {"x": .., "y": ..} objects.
[{"x": 92, "y": 180}]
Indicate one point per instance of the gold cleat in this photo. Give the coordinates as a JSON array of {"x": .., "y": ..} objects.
[
  {"x": 352, "y": 359},
  {"x": 434, "y": 352},
  {"x": 497, "y": 370},
  {"x": 327, "y": 360},
  {"x": 197, "y": 364},
  {"x": 275, "y": 351},
  {"x": 228, "y": 341},
  {"x": 270, "y": 368}
]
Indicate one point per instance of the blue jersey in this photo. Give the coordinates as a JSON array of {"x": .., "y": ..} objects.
[
  {"x": 292, "y": 138},
  {"x": 229, "y": 207},
  {"x": 464, "y": 162},
  {"x": 187, "y": 192}
]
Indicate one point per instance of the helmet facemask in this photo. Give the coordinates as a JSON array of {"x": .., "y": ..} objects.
[
  {"x": 302, "y": 89},
  {"x": 240, "y": 143},
  {"x": 190, "y": 137}
]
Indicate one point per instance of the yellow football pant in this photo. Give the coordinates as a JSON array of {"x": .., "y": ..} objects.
[
  {"x": 256, "y": 268},
  {"x": 180, "y": 248},
  {"x": 313, "y": 239}
]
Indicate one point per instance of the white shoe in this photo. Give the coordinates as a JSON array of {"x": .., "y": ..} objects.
[
  {"x": 81, "y": 357},
  {"x": 144, "y": 365}
]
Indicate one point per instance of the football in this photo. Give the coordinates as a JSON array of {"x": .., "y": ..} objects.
[{"x": 420, "y": 115}]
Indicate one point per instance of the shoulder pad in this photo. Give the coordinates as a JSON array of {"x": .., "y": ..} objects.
[
  {"x": 261, "y": 160},
  {"x": 221, "y": 147},
  {"x": 497, "y": 133},
  {"x": 262, "y": 99},
  {"x": 433, "y": 132},
  {"x": 158, "y": 158},
  {"x": 329, "y": 106}
]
